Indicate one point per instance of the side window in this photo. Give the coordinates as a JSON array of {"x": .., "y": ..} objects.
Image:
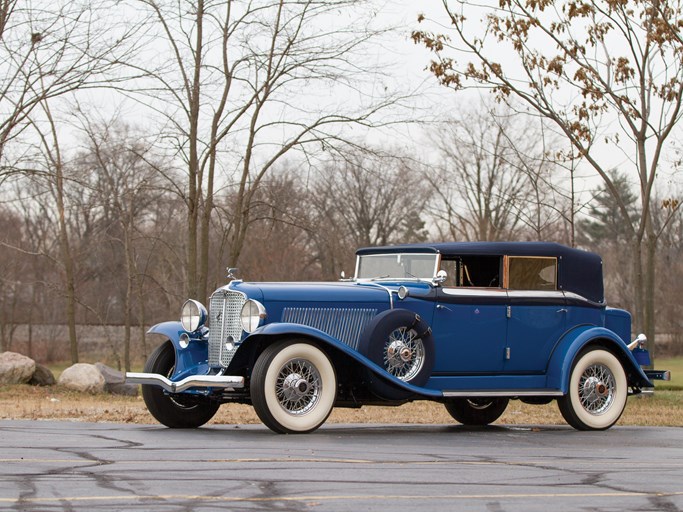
[
  {"x": 451, "y": 268},
  {"x": 473, "y": 271},
  {"x": 532, "y": 273}
]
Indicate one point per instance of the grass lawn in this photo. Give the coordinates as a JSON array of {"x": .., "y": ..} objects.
[
  {"x": 664, "y": 408},
  {"x": 675, "y": 366}
]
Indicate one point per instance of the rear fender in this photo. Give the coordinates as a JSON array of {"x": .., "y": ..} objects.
[
  {"x": 252, "y": 346},
  {"x": 567, "y": 350}
]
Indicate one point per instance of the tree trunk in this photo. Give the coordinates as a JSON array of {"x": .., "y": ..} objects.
[
  {"x": 649, "y": 298},
  {"x": 637, "y": 272},
  {"x": 67, "y": 260},
  {"x": 127, "y": 303}
]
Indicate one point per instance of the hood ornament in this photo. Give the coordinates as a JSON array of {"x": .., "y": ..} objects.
[{"x": 232, "y": 273}]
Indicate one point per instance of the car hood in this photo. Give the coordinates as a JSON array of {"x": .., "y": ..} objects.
[{"x": 313, "y": 292}]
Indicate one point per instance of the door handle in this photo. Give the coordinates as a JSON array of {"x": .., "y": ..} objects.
[{"x": 563, "y": 310}]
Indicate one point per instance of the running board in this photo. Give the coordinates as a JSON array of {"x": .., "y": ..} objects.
[
  {"x": 505, "y": 392},
  {"x": 193, "y": 381}
]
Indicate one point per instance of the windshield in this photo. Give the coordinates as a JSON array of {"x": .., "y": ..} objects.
[{"x": 397, "y": 266}]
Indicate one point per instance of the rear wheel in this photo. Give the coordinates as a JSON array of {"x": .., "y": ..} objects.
[
  {"x": 476, "y": 411},
  {"x": 597, "y": 391},
  {"x": 293, "y": 387},
  {"x": 178, "y": 410}
]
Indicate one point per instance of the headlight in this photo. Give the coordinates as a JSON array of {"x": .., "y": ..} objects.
[
  {"x": 193, "y": 315},
  {"x": 252, "y": 314}
]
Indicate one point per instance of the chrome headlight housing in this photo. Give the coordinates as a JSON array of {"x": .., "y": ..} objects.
[
  {"x": 193, "y": 315},
  {"x": 252, "y": 315}
]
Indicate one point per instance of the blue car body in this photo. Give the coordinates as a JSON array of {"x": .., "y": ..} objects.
[{"x": 506, "y": 320}]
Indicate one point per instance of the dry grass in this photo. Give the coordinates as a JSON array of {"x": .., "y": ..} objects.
[{"x": 665, "y": 408}]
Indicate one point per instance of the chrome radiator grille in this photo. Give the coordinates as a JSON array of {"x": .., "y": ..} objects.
[
  {"x": 345, "y": 324},
  {"x": 224, "y": 325}
]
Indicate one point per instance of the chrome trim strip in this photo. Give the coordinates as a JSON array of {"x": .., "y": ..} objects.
[
  {"x": 498, "y": 392},
  {"x": 193, "y": 381},
  {"x": 581, "y": 298},
  {"x": 388, "y": 290},
  {"x": 475, "y": 292},
  {"x": 535, "y": 294}
]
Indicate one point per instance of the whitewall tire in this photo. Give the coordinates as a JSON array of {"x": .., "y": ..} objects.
[
  {"x": 597, "y": 391},
  {"x": 293, "y": 387}
]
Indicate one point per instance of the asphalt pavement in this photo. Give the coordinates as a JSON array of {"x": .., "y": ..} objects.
[{"x": 74, "y": 466}]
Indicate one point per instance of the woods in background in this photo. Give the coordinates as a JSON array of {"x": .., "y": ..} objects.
[{"x": 146, "y": 146}]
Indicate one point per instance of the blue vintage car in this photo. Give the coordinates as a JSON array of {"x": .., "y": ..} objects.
[{"x": 471, "y": 325}]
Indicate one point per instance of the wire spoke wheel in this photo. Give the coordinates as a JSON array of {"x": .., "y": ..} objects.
[
  {"x": 597, "y": 388},
  {"x": 293, "y": 387},
  {"x": 597, "y": 391},
  {"x": 298, "y": 386},
  {"x": 404, "y": 353}
]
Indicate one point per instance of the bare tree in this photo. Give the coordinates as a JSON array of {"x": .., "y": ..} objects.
[
  {"x": 245, "y": 85},
  {"x": 49, "y": 49},
  {"x": 361, "y": 199},
  {"x": 582, "y": 65},
  {"x": 11, "y": 268},
  {"x": 495, "y": 180},
  {"x": 115, "y": 167},
  {"x": 279, "y": 214}
]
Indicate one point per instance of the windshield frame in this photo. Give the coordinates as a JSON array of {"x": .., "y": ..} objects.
[{"x": 397, "y": 255}]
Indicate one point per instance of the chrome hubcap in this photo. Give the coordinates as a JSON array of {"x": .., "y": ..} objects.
[
  {"x": 404, "y": 354},
  {"x": 596, "y": 389},
  {"x": 298, "y": 386}
]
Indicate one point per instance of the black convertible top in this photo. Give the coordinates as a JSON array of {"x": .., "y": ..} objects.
[{"x": 578, "y": 271}]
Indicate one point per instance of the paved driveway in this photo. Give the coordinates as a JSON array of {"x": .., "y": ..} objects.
[{"x": 49, "y": 465}]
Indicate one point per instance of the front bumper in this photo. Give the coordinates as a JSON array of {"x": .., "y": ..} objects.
[{"x": 194, "y": 381}]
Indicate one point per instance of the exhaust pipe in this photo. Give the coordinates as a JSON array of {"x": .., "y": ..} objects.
[{"x": 193, "y": 381}]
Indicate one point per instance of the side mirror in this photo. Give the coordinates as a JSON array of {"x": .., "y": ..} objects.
[{"x": 441, "y": 277}]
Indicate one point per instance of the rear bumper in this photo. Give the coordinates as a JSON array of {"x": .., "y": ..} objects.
[
  {"x": 194, "y": 381},
  {"x": 658, "y": 374}
]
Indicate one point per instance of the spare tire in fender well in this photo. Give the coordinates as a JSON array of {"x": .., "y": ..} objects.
[{"x": 402, "y": 343}]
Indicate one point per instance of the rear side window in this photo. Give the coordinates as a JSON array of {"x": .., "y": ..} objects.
[{"x": 532, "y": 273}]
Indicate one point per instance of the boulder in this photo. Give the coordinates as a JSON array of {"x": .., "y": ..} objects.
[
  {"x": 82, "y": 377},
  {"x": 115, "y": 381},
  {"x": 43, "y": 376},
  {"x": 15, "y": 368}
]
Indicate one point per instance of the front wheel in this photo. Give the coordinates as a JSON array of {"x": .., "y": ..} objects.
[
  {"x": 476, "y": 411},
  {"x": 293, "y": 387},
  {"x": 597, "y": 391},
  {"x": 179, "y": 410}
]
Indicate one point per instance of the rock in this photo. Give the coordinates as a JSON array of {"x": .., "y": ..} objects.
[
  {"x": 15, "y": 368},
  {"x": 82, "y": 377},
  {"x": 115, "y": 381},
  {"x": 123, "y": 389},
  {"x": 42, "y": 376}
]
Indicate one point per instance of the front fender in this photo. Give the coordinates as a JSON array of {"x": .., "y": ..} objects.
[
  {"x": 172, "y": 330},
  {"x": 192, "y": 360},
  {"x": 566, "y": 351},
  {"x": 280, "y": 330}
]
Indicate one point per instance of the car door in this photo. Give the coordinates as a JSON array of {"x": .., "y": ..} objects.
[
  {"x": 537, "y": 313},
  {"x": 469, "y": 330},
  {"x": 537, "y": 322}
]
